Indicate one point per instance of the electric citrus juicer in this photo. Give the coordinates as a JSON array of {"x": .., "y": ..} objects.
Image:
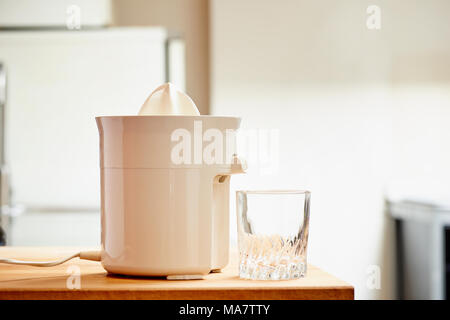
[{"x": 165, "y": 180}]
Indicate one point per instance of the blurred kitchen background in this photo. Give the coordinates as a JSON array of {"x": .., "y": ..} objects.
[{"x": 362, "y": 117}]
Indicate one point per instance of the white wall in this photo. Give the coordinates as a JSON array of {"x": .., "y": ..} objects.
[{"x": 360, "y": 113}]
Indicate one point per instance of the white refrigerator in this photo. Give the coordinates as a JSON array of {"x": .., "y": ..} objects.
[{"x": 57, "y": 81}]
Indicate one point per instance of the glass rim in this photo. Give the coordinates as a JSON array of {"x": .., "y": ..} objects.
[{"x": 274, "y": 191}]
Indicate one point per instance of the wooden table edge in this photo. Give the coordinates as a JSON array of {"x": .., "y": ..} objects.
[{"x": 343, "y": 293}]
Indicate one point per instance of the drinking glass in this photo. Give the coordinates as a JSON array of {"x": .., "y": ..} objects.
[{"x": 272, "y": 233}]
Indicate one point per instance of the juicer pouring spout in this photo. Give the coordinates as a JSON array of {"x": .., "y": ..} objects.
[{"x": 239, "y": 165}]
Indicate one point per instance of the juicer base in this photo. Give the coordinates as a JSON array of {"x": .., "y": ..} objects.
[{"x": 185, "y": 277}]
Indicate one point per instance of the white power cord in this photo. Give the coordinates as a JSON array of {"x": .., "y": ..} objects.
[{"x": 94, "y": 255}]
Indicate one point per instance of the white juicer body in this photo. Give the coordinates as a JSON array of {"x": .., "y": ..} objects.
[{"x": 160, "y": 217}]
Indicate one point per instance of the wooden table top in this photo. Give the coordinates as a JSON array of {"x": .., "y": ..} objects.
[{"x": 26, "y": 282}]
